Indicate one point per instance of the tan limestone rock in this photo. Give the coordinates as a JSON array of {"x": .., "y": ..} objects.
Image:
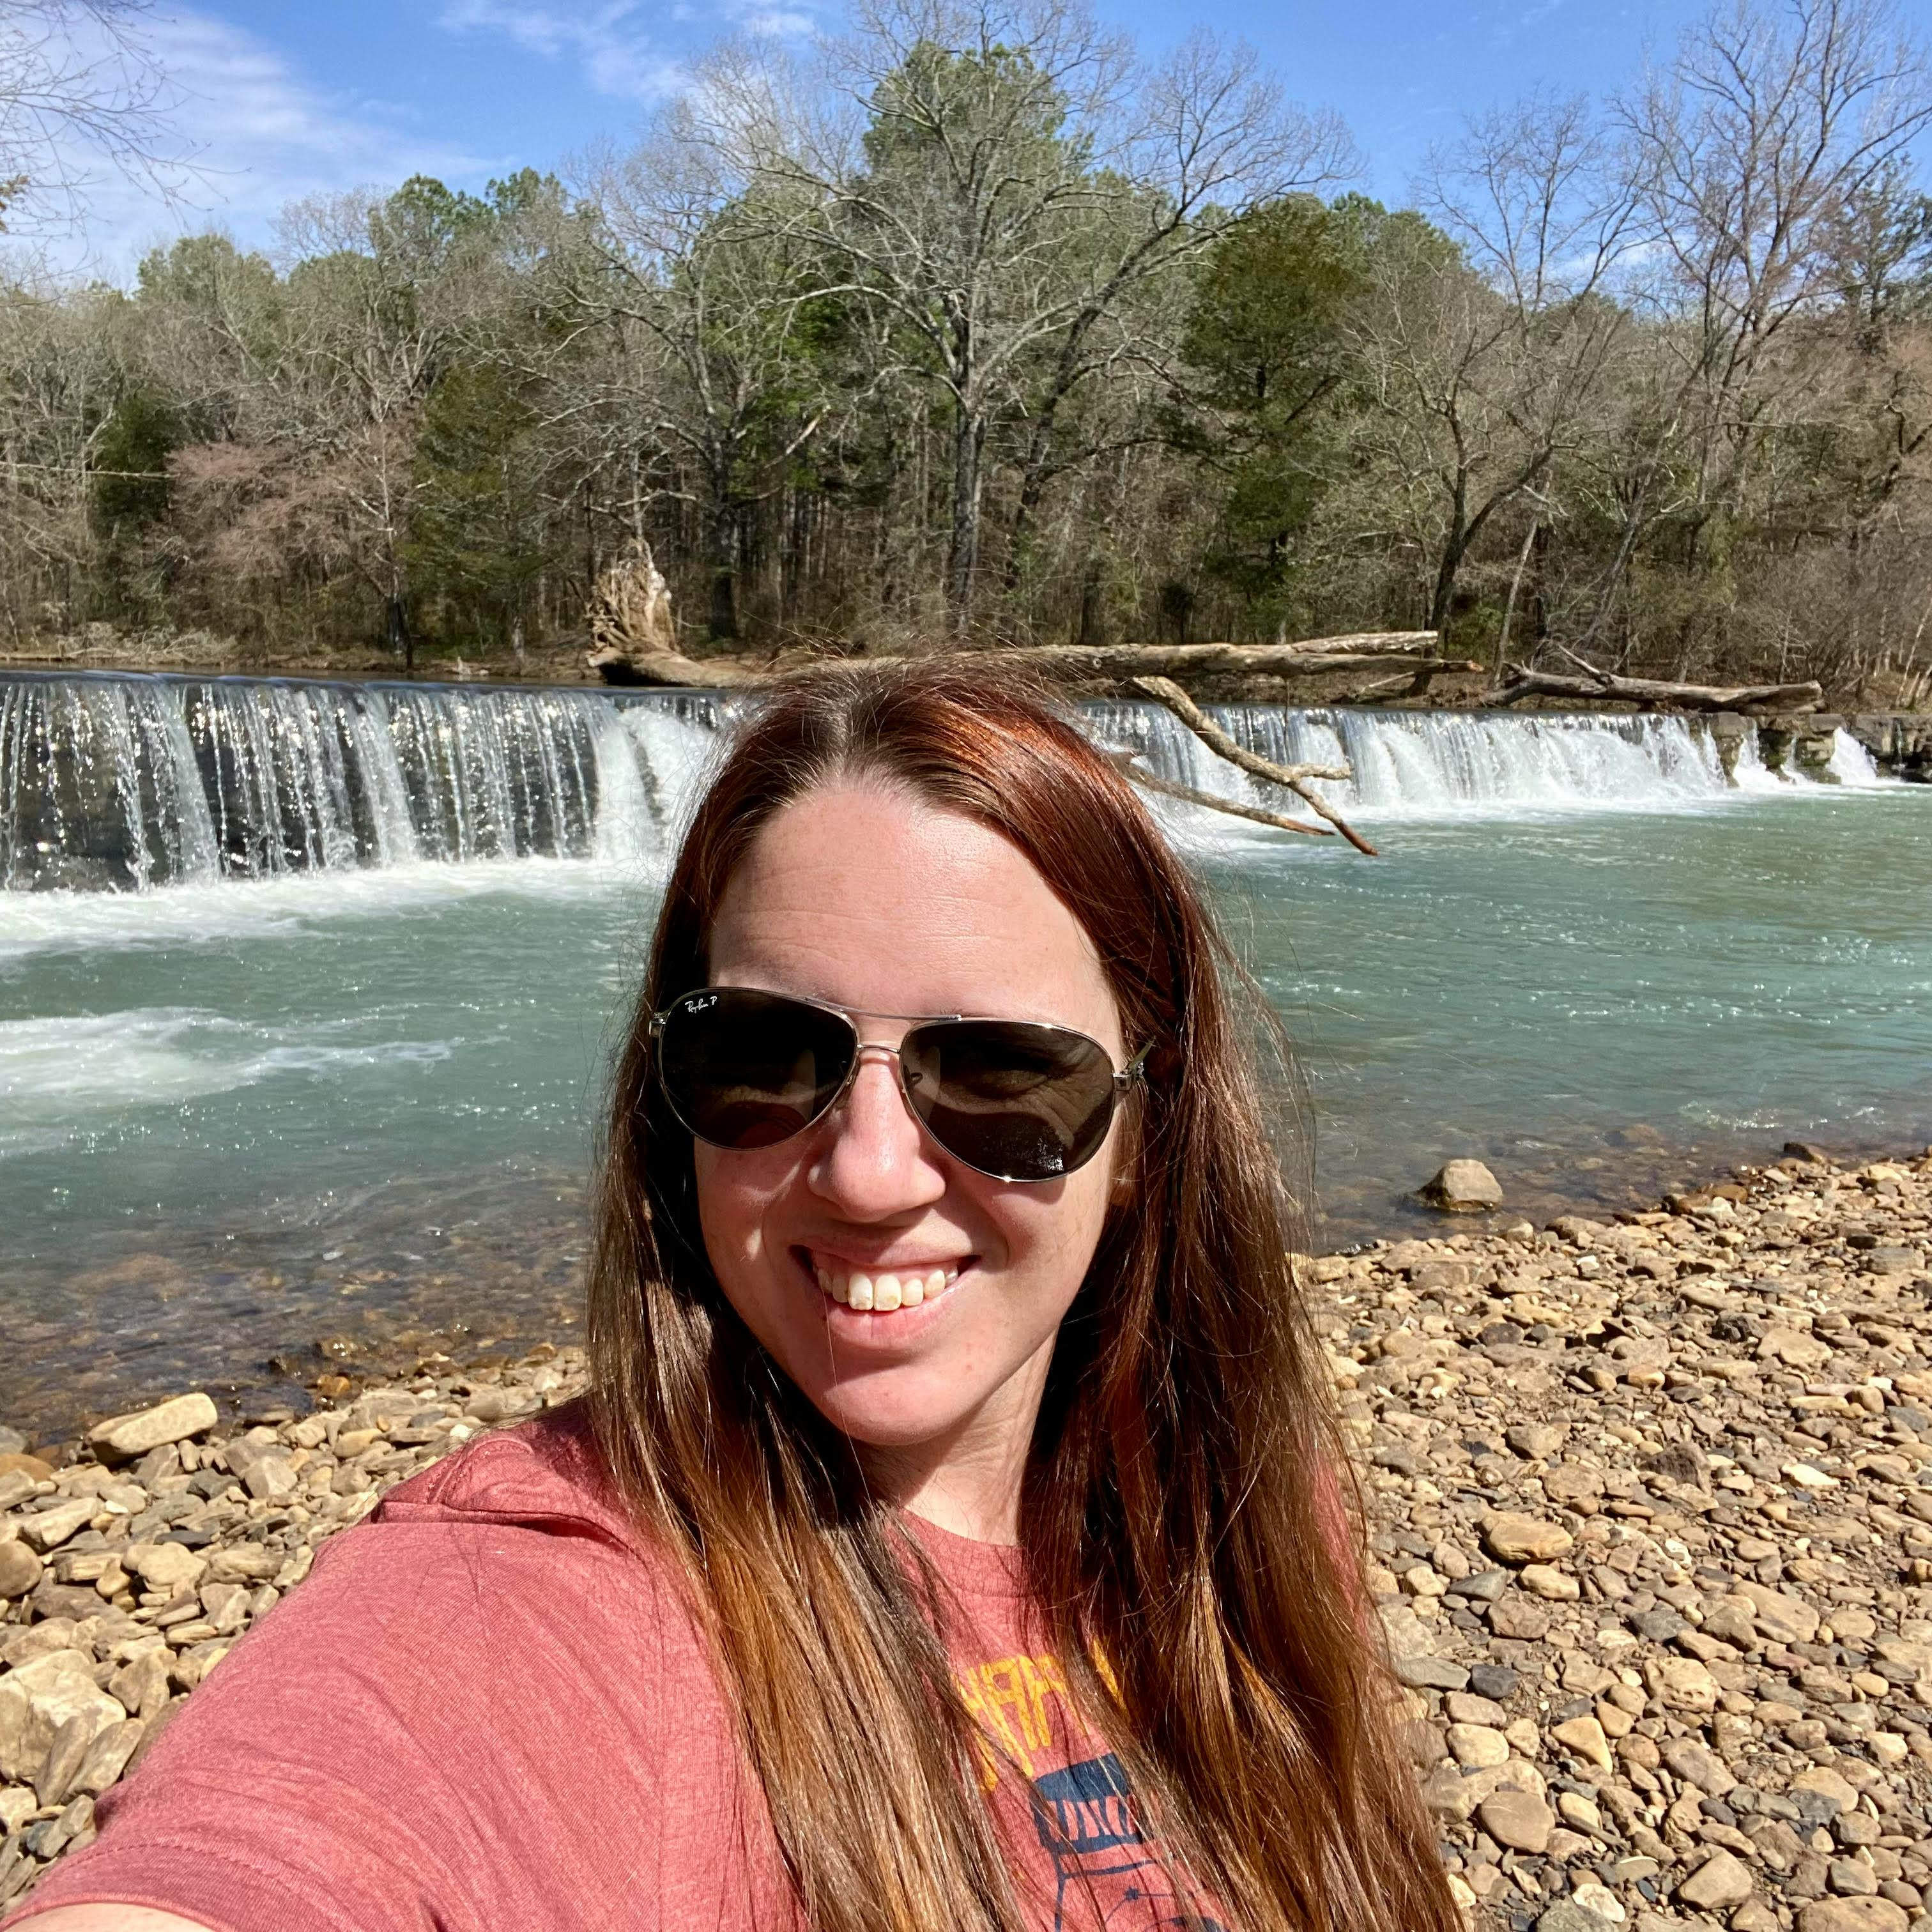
[
  {"x": 1519, "y": 1819},
  {"x": 1511, "y": 1537},
  {"x": 1719, "y": 1883},
  {"x": 1681, "y": 1684},
  {"x": 38, "y": 1697},
  {"x": 1585, "y": 1737},
  {"x": 121, "y": 1437}
]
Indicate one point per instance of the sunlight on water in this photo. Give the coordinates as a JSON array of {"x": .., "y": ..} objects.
[{"x": 304, "y": 1010}]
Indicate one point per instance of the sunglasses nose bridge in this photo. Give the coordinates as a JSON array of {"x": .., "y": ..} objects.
[{"x": 884, "y": 1053}]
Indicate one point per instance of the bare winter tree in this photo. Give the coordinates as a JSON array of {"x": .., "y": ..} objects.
[
  {"x": 706, "y": 302},
  {"x": 1747, "y": 152},
  {"x": 1487, "y": 360},
  {"x": 996, "y": 177},
  {"x": 81, "y": 93}
]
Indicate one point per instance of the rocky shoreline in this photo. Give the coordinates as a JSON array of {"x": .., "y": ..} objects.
[{"x": 1653, "y": 1550}]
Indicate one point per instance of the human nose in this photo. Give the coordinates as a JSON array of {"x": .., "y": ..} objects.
[{"x": 872, "y": 1160}]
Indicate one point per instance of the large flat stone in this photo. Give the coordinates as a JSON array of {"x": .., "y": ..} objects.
[
  {"x": 1853, "y": 1915},
  {"x": 121, "y": 1437},
  {"x": 1518, "y": 1819}
]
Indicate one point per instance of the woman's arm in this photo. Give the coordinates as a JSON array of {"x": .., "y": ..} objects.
[{"x": 108, "y": 1918}]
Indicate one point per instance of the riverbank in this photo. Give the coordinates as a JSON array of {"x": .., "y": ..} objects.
[{"x": 1652, "y": 1543}]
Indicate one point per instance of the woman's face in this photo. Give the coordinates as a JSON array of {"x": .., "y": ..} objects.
[{"x": 861, "y": 896}]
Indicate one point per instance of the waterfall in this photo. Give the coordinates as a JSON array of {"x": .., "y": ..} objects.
[
  {"x": 1851, "y": 764},
  {"x": 129, "y": 783},
  {"x": 1440, "y": 763}
]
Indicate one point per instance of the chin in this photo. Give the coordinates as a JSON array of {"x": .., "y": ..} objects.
[{"x": 890, "y": 1418}]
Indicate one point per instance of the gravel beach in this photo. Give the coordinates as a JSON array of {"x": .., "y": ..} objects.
[{"x": 1653, "y": 1550}]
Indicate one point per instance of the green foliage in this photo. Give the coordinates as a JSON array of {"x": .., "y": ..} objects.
[
  {"x": 1269, "y": 364},
  {"x": 206, "y": 274},
  {"x": 130, "y": 483},
  {"x": 475, "y": 546},
  {"x": 418, "y": 227},
  {"x": 947, "y": 108},
  {"x": 1883, "y": 246}
]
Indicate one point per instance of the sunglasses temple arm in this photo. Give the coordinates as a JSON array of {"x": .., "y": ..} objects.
[{"x": 1135, "y": 1072}]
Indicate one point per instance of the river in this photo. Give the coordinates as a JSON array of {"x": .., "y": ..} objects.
[{"x": 307, "y": 991}]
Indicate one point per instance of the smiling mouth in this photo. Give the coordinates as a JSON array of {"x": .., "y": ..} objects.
[{"x": 881, "y": 1290}]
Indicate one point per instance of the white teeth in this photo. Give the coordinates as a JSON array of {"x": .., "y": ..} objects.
[{"x": 883, "y": 1294}]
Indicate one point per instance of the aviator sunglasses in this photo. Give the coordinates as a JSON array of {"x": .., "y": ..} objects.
[{"x": 1014, "y": 1099}]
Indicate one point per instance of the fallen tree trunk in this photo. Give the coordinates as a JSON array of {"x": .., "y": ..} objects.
[
  {"x": 1100, "y": 664},
  {"x": 628, "y": 669},
  {"x": 1132, "y": 669},
  {"x": 1523, "y": 684},
  {"x": 1294, "y": 777},
  {"x": 1166, "y": 788}
]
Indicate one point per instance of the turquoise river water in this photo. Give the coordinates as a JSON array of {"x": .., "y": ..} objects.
[{"x": 346, "y": 1094}]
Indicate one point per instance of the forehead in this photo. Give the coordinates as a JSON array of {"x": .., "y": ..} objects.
[{"x": 863, "y": 895}]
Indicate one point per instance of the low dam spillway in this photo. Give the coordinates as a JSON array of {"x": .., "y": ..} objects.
[{"x": 128, "y": 783}]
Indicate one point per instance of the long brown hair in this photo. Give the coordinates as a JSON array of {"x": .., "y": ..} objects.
[{"x": 1179, "y": 1521}]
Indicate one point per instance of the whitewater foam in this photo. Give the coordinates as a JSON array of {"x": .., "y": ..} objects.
[
  {"x": 63, "y": 1075},
  {"x": 287, "y": 908}
]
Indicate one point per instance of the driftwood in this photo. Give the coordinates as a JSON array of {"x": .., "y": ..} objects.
[
  {"x": 1151, "y": 781},
  {"x": 630, "y": 614},
  {"x": 1294, "y": 777},
  {"x": 635, "y": 640},
  {"x": 622, "y": 667},
  {"x": 1522, "y": 684},
  {"x": 1106, "y": 666}
]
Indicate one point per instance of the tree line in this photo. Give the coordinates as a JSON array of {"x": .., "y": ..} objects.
[{"x": 973, "y": 324}]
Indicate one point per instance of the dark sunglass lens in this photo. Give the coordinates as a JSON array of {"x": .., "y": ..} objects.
[
  {"x": 1028, "y": 1103},
  {"x": 749, "y": 1069}
]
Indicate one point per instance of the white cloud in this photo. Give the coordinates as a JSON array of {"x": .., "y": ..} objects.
[
  {"x": 609, "y": 41},
  {"x": 618, "y": 53},
  {"x": 258, "y": 136}
]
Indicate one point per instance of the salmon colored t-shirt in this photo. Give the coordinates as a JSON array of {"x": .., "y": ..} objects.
[{"x": 488, "y": 1710}]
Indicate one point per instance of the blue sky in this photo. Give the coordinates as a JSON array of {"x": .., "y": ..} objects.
[{"x": 287, "y": 100}]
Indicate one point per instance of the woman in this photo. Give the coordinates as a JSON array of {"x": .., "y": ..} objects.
[{"x": 950, "y": 1539}]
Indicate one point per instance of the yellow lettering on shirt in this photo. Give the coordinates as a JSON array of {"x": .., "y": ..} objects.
[{"x": 1012, "y": 1699}]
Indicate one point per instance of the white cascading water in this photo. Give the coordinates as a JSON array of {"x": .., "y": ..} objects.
[
  {"x": 129, "y": 783},
  {"x": 1441, "y": 763}
]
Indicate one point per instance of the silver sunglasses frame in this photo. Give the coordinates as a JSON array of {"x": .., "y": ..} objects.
[{"x": 1125, "y": 1078}]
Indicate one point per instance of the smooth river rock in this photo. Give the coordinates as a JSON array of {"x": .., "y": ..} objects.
[
  {"x": 1519, "y": 1819},
  {"x": 1719, "y": 1883},
  {"x": 122, "y": 1437},
  {"x": 1853, "y": 1914},
  {"x": 1463, "y": 1187},
  {"x": 1511, "y": 1537},
  {"x": 19, "y": 1569}
]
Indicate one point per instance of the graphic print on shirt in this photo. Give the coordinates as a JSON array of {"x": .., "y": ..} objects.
[
  {"x": 1083, "y": 1812},
  {"x": 1084, "y": 1816}
]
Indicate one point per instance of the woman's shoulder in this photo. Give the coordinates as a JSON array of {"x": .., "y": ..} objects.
[
  {"x": 521, "y": 1526},
  {"x": 547, "y": 1475},
  {"x": 490, "y": 1704}
]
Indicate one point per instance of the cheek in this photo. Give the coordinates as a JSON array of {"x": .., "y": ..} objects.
[
  {"x": 735, "y": 1192},
  {"x": 1052, "y": 1243}
]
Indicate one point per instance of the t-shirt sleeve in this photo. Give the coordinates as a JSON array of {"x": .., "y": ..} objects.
[{"x": 405, "y": 1745}]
